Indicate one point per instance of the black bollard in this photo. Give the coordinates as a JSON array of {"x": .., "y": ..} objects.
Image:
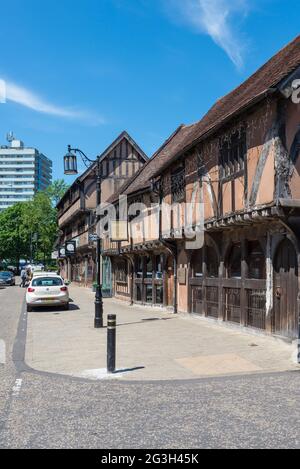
[{"x": 111, "y": 342}]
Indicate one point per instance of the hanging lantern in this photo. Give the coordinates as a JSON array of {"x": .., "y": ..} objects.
[{"x": 70, "y": 163}]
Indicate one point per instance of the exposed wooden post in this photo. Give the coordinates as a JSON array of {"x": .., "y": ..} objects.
[
  {"x": 85, "y": 271},
  {"x": 244, "y": 249},
  {"x": 204, "y": 280},
  {"x": 221, "y": 277},
  {"x": 188, "y": 280},
  {"x": 298, "y": 311},
  {"x": 269, "y": 284},
  {"x": 175, "y": 284},
  {"x": 131, "y": 280},
  {"x": 164, "y": 279},
  {"x": 153, "y": 257}
]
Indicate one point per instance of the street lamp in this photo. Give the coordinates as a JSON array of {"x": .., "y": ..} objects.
[
  {"x": 70, "y": 163},
  {"x": 70, "y": 168}
]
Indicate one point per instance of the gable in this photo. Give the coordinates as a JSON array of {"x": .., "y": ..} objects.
[{"x": 123, "y": 161}]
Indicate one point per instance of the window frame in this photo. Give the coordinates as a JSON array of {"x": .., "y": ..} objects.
[
  {"x": 233, "y": 156},
  {"x": 121, "y": 271},
  {"x": 178, "y": 184}
]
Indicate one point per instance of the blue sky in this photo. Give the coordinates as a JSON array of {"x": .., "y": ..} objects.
[{"x": 82, "y": 71}]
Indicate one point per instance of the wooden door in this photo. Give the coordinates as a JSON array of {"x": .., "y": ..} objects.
[{"x": 285, "y": 291}]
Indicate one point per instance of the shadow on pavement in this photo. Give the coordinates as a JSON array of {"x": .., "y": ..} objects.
[
  {"x": 58, "y": 310},
  {"x": 143, "y": 321},
  {"x": 128, "y": 370}
]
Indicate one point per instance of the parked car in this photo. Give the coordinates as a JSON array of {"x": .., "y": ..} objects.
[
  {"x": 47, "y": 290},
  {"x": 7, "y": 279}
]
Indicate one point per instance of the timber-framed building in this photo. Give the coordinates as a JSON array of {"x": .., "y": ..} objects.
[
  {"x": 77, "y": 209},
  {"x": 241, "y": 161}
]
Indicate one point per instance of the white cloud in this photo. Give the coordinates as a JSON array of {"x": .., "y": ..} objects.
[
  {"x": 30, "y": 100},
  {"x": 215, "y": 18}
]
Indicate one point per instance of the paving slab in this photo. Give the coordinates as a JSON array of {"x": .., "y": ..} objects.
[{"x": 152, "y": 344}]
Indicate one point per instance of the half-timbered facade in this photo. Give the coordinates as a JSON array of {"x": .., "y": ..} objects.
[
  {"x": 77, "y": 209},
  {"x": 239, "y": 168}
]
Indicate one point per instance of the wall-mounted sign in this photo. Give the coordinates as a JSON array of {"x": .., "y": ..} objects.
[
  {"x": 93, "y": 237},
  {"x": 70, "y": 247},
  {"x": 62, "y": 252},
  {"x": 55, "y": 255}
]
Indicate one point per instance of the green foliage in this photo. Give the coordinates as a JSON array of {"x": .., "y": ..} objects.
[
  {"x": 30, "y": 228},
  {"x": 13, "y": 233},
  {"x": 40, "y": 220},
  {"x": 56, "y": 191}
]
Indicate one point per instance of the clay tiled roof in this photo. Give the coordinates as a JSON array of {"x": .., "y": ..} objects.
[{"x": 251, "y": 91}]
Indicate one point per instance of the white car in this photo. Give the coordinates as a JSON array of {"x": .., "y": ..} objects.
[{"x": 47, "y": 290}]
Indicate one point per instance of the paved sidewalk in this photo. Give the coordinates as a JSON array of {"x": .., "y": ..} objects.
[{"x": 151, "y": 344}]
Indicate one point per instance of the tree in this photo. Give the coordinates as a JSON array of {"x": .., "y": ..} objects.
[
  {"x": 14, "y": 233},
  {"x": 40, "y": 219},
  {"x": 29, "y": 229},
  {"x": 56, "y": 191}
]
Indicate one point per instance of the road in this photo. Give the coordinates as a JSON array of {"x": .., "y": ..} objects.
[{"x": 39, "y": 410}]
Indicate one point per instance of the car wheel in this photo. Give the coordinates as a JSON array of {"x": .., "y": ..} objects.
[
  {"x": 66, "y": 307},
  {"x": 29, "y": 309}
]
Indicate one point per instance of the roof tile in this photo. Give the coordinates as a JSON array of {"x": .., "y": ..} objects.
[{"x": 268, "y": 76}]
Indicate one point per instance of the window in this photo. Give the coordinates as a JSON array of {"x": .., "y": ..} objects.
[
  {"x": 159, "y": 294},
  {"x": 197, "y": 265},
  {"x": 5, "y": 274},
  {"x": 149, "y": 291},
  {"x": 149, "y": 267},
  {"x": 47, "y": 282},
  {"x": 139, "y": 267},
  {"x": 178, "y": 185},
  {"x": 232, "y": 155},
  {"x": 256, "y": 261},
  {"x": 235, "y": 262},
  {"x": 121, "y": 271},
  {"x": 158, "y": 268}
]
